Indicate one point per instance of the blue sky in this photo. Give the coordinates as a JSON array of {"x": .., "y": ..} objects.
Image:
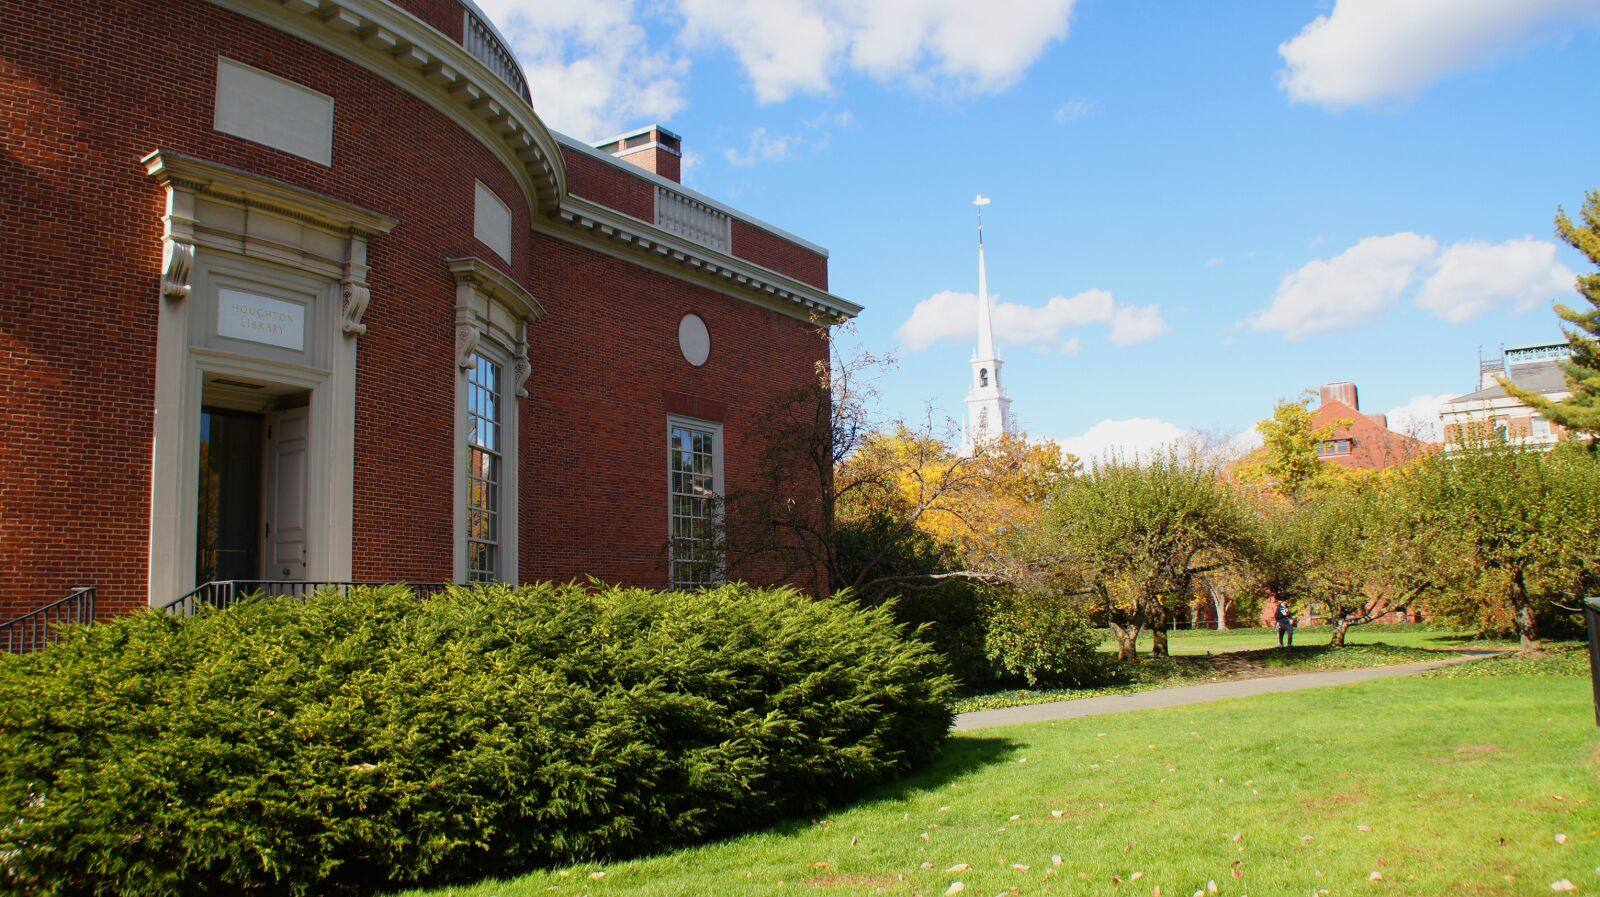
[{"x": 1198, "y": 208}]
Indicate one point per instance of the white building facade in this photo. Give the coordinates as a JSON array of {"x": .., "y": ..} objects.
[{"x": 1491, "y": 410}]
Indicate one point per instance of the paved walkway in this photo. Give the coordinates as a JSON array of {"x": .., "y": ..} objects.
[{"x": 1195, "y": 694}]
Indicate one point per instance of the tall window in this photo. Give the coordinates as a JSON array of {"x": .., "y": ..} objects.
[
  {"x": 483, "y": 471},
  {"x": 692, "y": 473}
]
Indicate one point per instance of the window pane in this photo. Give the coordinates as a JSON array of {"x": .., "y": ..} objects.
[
  {"x": 691, "y": 466},
  {"x": 483, "y": 471}
]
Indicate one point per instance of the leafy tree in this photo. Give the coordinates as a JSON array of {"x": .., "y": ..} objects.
[
  {"x": 1288, "y": 461},
  {"x": 1526, "y": 522},
  {"x": 1580, "y": 411},
  {"x": 973, "y": 501},
  {"x": 1139, "y": 535},
  {"x": 1279, "y": 557},
  {"x": 1366, "y": 550}
]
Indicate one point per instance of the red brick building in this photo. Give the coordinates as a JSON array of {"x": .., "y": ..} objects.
[
  {"x": 1360, "y": 441},
  {"x": 305, "y": 290}
]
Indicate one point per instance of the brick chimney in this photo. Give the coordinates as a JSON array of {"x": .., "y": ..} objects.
[
  {"x": 1343, "y": 391},
  {"x": 652, "y": 147}
]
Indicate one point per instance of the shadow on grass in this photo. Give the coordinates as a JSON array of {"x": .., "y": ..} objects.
[{"x": 961, "y": 756}]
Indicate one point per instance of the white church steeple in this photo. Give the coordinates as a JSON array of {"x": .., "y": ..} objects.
[{"x": 988, "y": 407}]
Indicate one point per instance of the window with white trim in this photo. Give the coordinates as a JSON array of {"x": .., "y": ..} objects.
[
  {"x": 492, "y": 317},
  {"x": 694, "y": 473},
  {"x": 484, "y": 469}
]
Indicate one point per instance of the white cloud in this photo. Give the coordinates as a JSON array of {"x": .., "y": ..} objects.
[
  {"x": 1349, "y": 289},
  {"x": 1073, "y": 345},
  {"x": 1137, "y": 323},
  {"x": 1474, "y": 278},
  {"x": 1371, "y": 50},
  {"x": 800, "y": 46},
  {"x": 590, "y": 67},
  {"x": 1419, "y": 417},
  {"x": 763, "y": 147},
  {"x": 1128, "y": 439},
  {"x": 1073, "y": 109},
  {"x": 953, "y": 316}
]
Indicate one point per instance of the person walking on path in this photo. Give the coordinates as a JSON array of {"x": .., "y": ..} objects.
[{"x": 1285, "y": 625}]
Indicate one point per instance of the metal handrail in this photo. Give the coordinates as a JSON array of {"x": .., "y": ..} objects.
[
  {"x": 36, "y": 629},
  {"x": 225, "y": 593}
]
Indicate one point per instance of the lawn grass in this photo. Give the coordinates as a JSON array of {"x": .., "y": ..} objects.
[
  {"x": 1406, "y": 635},
  {"x": 1148, "y": 673},
  {"x": 1441, "y": 785}
]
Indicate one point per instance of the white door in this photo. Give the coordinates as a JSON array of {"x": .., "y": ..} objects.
[{"x": 284, "y": 557}]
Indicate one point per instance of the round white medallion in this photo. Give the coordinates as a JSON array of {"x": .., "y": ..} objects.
[{"x": 694, "y": 339}]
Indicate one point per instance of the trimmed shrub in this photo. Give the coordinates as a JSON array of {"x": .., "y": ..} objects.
[
  {"x": 1045, "y": 641},
  {"x": 372, "y": 741}
]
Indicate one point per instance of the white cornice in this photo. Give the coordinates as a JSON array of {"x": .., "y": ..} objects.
[
  {"x": 420, "y": 59},
  {"x": 209, "y": 179},
  {"x": 490, "y": 280},
  {"x": 631, "y": 239}
]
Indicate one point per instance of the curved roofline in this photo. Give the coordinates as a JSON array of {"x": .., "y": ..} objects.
[{"x": 410, "y": 53}]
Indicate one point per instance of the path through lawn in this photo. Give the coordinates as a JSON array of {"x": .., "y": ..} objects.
[
  {"x": 1478, "y": 784},
  {"x": 1405, "y": 635}
]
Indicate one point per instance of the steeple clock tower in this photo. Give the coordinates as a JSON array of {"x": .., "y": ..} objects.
[{"x": 988, "y": 406}]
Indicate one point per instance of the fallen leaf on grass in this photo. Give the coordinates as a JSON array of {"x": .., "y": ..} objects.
[
  {"x": 1127, "y": 847},
  {"x": 959, "y": 867},
  {"x": 926, "y": 864},
  {"x": 1563, "y": 885},
  {"x": 1363, "y": 828},
  {"x": 1211, "y": 887},
  {"x": 854, "y": 840},
  {"x": 1014, "y": 817},
  {"x": 1136, "y": 876},
  {"x": 1155, "y": 891},
  {"x": 1238, "y": 836},
  {"x": 1238, "y": 869},
  {"x": 956, "y": 887},
  {"x": 1057, "y": 814},
  {"x": 1055, "y": 859},
  {"x": 597, "y": 875},
  {"x": 944, "y": 809},
  {"x": 1561, "y": 839},
  {"x": 1305, "y": 838},
  {"x": 1020, "y": 867},
  {"x": 1375, "y": 876},
  {"x": 822, "y": 866}
]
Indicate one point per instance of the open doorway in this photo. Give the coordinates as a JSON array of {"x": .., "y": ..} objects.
[{"x": 252, "y": 497}]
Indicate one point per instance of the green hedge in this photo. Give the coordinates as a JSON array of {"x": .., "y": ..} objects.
[{"x": 370, "y": 741}]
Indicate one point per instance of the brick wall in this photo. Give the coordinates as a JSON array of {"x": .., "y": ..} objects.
[
  {"x": 594, "y": 471},
  {"x": 602, "y": 182},
  {"x": 89, "y": 88},
  {"x": 446, "y": 15},
  {"x": 772, "y": 251}
]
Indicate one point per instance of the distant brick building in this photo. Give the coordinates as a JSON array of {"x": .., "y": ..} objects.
[
  {"x": 1360, "y": 441},
  {"x": 305, "y": 290}
]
